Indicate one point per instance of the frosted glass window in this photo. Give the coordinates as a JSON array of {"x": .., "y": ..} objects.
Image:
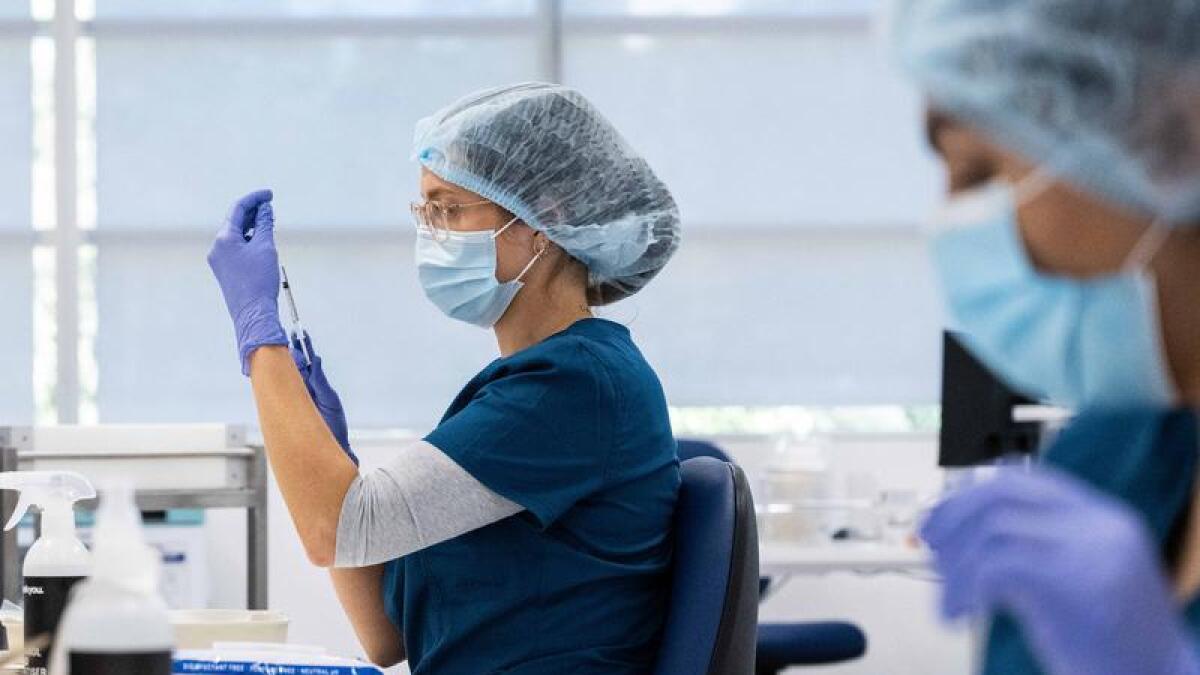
[
  {"x": 326, "y": 123},
  {"x": 811, "y": 128},
  {"x": 719, "y": 7},
  {"x": 16, "y": 332},
  {"x": 765, "y": 320},
  {"x": 783, "y": 318},
  {"x": 796, "y": 156},
  {"x": 16, "y": 266},
  {"x": 15, "y": 135},
  {"x": 300, "y": 8},
  {"x": 166, "y": 348}
]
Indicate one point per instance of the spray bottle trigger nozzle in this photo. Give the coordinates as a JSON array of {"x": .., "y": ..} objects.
[
  {"x": 44, "y": 488},
  {"x": 23, "y": 504}
]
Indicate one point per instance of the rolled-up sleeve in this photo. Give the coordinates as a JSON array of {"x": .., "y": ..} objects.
[{"x": 419, "y": 498}]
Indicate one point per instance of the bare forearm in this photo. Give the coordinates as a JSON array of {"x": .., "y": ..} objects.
[
  {"x": 360, "y": 590},
  {"x": 308, "y": 464}
]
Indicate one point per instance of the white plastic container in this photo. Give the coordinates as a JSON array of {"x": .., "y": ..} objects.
[
  {"x": 116, "y": 622},
  {"x": 109, "y": 630},
  {"x": 796, "y": 490},
  {"x": 202, "y": 628}
]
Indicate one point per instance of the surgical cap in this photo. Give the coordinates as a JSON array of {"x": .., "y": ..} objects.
[
  {"x": 1104, "y": 93},
  {"x": 545, "y": 154}
]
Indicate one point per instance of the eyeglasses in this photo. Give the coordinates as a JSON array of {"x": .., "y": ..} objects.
[{"x": 438, "y": 219}]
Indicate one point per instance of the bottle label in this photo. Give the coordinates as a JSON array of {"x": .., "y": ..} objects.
[
  {"x": 120, "y": 663},
  {"x": 45, "y": 598}
]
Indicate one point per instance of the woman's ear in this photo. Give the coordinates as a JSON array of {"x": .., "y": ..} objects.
[{"x": 541, "y": 243}]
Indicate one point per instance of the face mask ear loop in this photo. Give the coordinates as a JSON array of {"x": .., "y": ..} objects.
[
  {"x": 1148, "y": 246},
  {"x": 1032, "y": 186},
  {"x": 500, "y": 231},
  {"x": 532, "y": 261},
  {"x": 537, "y": 255}
]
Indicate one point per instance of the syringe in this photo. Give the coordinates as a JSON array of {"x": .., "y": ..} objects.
[{"x": 297, "y": 329}]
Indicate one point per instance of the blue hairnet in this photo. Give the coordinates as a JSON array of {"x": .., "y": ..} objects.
[
  {"x": 1105, "y": 93},
  {"x": 545, "y": 154}
]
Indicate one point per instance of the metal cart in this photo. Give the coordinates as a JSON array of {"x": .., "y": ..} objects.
[{"x": 246, "y": 463}]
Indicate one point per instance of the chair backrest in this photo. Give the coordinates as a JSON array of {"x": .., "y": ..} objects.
[
  {"x": 687, "y": 448},
  {"x": 712, "y": 618}
]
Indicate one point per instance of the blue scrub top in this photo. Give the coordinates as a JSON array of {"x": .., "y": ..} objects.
[
  {"x": 1146, "y": 458},
  {"x": 575, "y": 430}
]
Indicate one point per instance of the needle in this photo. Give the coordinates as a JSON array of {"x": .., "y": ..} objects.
[{"x": 297, "y": 329}]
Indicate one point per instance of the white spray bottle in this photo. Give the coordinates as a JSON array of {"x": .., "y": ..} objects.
[
  {"x": 57, "y": 560},
  {"x": 116, "y": 622}
]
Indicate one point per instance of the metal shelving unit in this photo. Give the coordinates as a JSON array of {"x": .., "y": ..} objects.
[{"x": 16, "y": 446}]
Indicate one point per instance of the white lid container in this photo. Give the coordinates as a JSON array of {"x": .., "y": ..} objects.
[{"x": 202, "y": 628}]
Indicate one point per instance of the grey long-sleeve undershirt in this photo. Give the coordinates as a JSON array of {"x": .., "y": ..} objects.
[{"x": 418, "y": 499}]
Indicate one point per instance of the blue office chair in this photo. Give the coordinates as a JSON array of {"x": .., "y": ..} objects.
[
  {"x": 712, "y": 618},
  {"x": 688, "y": 448},
  {"x": 781, "y": 645}
]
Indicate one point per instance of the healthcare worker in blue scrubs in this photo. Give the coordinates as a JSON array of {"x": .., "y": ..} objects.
[
  {"x": 529, "y": 532},
  {"x": 1069, "y": 254}
]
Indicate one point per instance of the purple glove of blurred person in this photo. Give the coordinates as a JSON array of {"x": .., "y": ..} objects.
[{"x": 1073, "y": 566}]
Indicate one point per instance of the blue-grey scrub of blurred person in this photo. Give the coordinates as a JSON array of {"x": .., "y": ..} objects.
[
  {"x": 530, "y": 531},
  {"x": 1069, "y": 254}
]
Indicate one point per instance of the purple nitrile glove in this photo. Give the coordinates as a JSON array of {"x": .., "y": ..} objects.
[
  {"x": 1073, "y": 566},
  {"x": 326, "y": 399},
  {"x": 244, "y": 260}
]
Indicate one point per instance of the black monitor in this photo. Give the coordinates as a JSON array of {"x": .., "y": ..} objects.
[{"x": 977, "y": 412}]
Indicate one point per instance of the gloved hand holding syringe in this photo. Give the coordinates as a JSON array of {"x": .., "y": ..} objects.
[
  {"x": 296, "y": 332},
  {"x": 239, "y": 268}
]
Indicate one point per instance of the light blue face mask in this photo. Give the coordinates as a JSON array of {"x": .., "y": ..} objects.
[
  {"x": 458, "y": 274},
  {"x": 1073, "y": 342}
]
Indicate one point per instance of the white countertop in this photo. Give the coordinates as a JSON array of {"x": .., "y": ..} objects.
[{"x": 787, "y": 558}]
